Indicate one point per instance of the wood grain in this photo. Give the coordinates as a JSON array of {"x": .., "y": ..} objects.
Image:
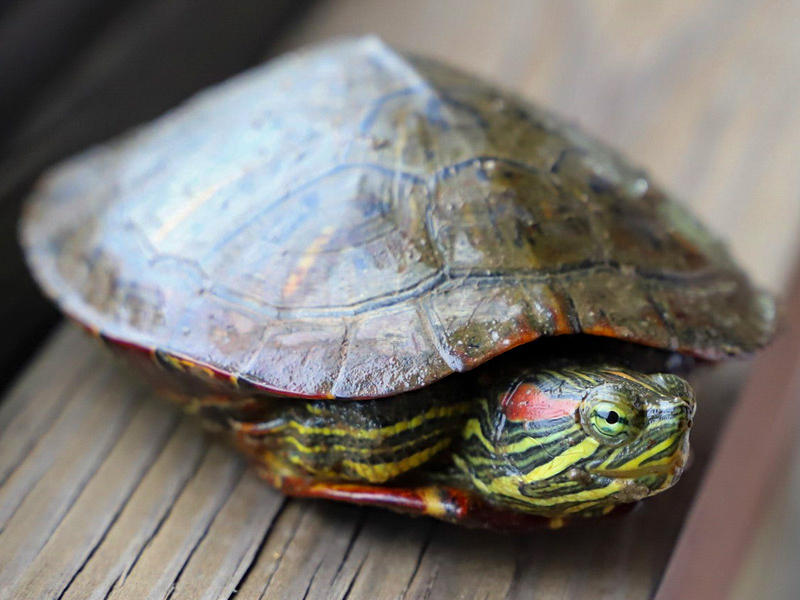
[{"x": 105, "y": 491}]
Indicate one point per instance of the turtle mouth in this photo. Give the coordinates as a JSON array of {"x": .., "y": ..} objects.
[{"x": 673, "y": 467}]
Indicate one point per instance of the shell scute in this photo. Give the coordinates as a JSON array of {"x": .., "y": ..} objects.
[{"x": 387, "y": 346}]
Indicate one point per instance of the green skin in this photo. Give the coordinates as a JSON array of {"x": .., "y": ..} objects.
[{"x": 572, "y": 441}]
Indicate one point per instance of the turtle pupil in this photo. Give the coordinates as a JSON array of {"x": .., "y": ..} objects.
[{"x": 612, "y": 417}]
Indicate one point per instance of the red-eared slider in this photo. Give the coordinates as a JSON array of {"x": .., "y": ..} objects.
[{"x": 319, "y": 252}]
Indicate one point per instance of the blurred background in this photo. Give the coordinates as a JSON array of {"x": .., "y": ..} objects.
[{"x": 704, "y": 94}]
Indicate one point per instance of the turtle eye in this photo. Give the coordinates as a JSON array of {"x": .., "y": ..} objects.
[{"x": 609, "y": 422}]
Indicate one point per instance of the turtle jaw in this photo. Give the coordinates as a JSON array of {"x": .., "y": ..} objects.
[
  {"x": 671, "y": 470},
  {"x": 637, "y": 484}
]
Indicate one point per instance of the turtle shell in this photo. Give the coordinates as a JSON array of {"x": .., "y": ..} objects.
[{"x": 349, "y": 221}]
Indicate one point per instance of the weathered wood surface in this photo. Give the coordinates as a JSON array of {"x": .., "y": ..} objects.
[{"x": 106, "y": 492}]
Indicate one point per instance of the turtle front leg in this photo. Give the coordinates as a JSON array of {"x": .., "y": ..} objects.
[{"x": 439, "y": 501}]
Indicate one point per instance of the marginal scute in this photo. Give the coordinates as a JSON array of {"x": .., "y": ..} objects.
[
  {"x": 225, "y": 335},
  {"x": 299, "y": 357},
  {"x": 595, "y": 296},
  {"x": 349, "y": 221},
  {"x": 385, "y": 346},
  {"x": 478, "y": 319}
]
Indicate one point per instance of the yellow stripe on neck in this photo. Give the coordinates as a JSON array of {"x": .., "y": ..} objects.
[
  {"x": 382, "y": 432},
  {"x": 382, "y": 472},
  {"x": 509, "y": 485}
]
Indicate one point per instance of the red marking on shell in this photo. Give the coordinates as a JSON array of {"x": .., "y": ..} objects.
[
  {"x": 603, "y": 329},
  {"x": 608, "y": 330},
  {"x": 92, "y": 331},
  {"x": 528, "y": 403},
  {"x": 517, "y": 339},
  {"x": 126, "y": 346}
]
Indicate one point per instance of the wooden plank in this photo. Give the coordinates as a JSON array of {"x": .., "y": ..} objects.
[
  {"x": 186, "y": 518},
  {"x": 22, "y": 420},
  {"x": 82, "y": 528},
  {"x": 141, "y": 517},
  {"x": 229, "y": 547},
  {"x": 44, "y": 487},
  {"x": 160, "y": 565}
]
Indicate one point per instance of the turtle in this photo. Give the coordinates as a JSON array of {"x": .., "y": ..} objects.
[{"x": 391, "y": 283}]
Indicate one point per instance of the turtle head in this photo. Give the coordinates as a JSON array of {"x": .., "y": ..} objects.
[{"x": 579, "y": 440}]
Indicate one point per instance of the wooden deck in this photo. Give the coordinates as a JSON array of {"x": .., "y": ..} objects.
[{"x": 107, "y": 492}]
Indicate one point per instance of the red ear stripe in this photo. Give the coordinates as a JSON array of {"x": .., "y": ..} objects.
[{"x": 528, "y": 403}]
